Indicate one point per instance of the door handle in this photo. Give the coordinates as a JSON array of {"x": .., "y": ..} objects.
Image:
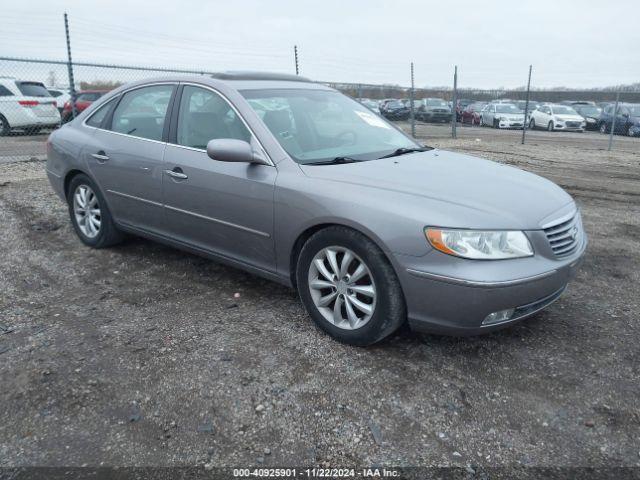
[
  {"x": 176, "y": 173},
  {"x": 100, "y": 156}
]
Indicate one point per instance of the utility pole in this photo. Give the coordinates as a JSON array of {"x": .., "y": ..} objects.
[
  {"x": 613, "y": 120},
  {"x": 454, "y": 104},
  {"x": 72, "y": 88},
  {"x": 295, "y": 56},
  {"x": 411, "y": 99},
  {"x": 526, "y": 105}
]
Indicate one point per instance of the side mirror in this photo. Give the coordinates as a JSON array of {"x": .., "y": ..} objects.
[{"x": 232, "y": 150}]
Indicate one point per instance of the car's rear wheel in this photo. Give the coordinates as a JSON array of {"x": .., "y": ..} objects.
[
  {"x": 5, "y": 128},
  {"x": 550, "y": 127},
  {"x": 90, "y": 214},
  {"x": 349, "y": 287}
]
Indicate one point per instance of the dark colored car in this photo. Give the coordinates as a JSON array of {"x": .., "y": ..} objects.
[
  {"x": 521, "y": 104},
  {"x": 395, "y": 110},
  {"x": 627, "y": 119},
  {"x": 433, "y": 110},
  {"x": 84, "y": 98},
  {"x": 471, "y": 114},
  {"x": 461, "y": 105},
  {"x": 591, "y": 113}
]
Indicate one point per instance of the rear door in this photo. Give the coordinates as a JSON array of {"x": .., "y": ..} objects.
[
  {"x": 222, "y": 207},
  {"x": 126, "y": 156}
]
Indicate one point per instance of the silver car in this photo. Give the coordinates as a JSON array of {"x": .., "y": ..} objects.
[{"x": 293, "y": 181}]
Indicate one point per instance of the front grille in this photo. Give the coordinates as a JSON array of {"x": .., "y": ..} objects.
[
  {"x": 573, "y": 124},
  {"x": 564, "y": 237}
]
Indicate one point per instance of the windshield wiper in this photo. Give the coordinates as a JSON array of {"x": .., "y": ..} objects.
[
  {"x": 335, "y": 161},
  {"x": 403, "y": 151}
]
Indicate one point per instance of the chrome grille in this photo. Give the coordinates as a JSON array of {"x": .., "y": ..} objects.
[
  {"x": 573, "y": 124},
  {"x": 564, "y": 237}
]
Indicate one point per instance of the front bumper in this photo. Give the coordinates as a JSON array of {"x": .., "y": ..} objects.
[
  {"x": 436, "y": 116},
  {"x": 511, "y": 124},
  {"x": 452, "y": 305}
]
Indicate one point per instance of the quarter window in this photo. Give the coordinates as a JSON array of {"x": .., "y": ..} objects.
[
  {"x": 142, "y": 112},
  {"x": 5, "y": 92},
  {"x": 205, "y": 115},
  {"x": 96, "y": 119}
]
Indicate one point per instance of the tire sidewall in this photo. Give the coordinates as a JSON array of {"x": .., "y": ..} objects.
[
  {"x": 5, "y": 128},
  {"x": 105, "y": 216},
  {"x": 390, "y": 310}
]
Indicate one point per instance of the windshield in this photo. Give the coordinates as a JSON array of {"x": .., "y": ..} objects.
[
  {"x": 589, "y": 111},
  {"x": 634, "y": 110},
  {"x": 318, "y": 125},
  {"x": 560, "y": 110},
  {"x": 507, "y": 108},
  {"x": 437, "y": 103}
]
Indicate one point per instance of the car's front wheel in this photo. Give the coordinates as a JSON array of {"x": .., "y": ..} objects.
[
  {"x": 550, "y": 127},
  {"x": 5, "y": 128},
  {"x": 603, "y": 127},
  {"x": 90, "y": 215},
  {"x": 349, "y": 287},
  {"x": 532, "y": 124}
]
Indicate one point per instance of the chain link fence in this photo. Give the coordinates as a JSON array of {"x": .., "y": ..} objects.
[{"x": 37, "y": 96}]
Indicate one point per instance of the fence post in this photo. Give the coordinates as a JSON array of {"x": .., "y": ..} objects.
[
  {"x": 454, "y": 104},
  {"x": 295, "y": 57},
  {"x": 613, "y": 121},
  {"x": 412, "y": 96},
  {"x": 526, "y": 105},
  {"x": 72, "y": 87}
]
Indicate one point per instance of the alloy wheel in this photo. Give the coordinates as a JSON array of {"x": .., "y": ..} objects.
[
  {"x": 86, "y": 211},
  {"x": 342, "y": 287}
]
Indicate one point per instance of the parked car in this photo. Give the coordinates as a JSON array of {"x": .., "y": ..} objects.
[
  {"x": 372, "y": 228},
  {"x": 554, "y": 117},
  {"x": 521, "y": 104},
  {"x": 370, "y": 104},
  {"x": 627, "y": 119},
  {"x": 61, "y": 96},
  {"x": 590, "y": 112},
  {"x": 502, "y": 115},
  {"x": 84, "y": 98},
  {"x": 461, "y": 104},
  {"x": 27, "y": 106},
  {"x": 433, "y": 110},
  {"x": 395, "y": 110},
  {"x": 471, "y": 114}
]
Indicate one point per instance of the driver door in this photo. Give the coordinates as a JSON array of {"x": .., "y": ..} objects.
[{"x": 221, "y": 207}]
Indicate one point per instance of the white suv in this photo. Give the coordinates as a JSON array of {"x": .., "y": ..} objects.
[
  {"x": 62, "y": 96},
  {"x": 27, "y": 106}
]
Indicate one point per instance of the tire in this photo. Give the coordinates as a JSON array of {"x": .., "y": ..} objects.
[
  {"x": 105, "y": 234},
  {"x": 532, "y": 124},
  {"x": 550, "y": 127},
  {"x": 389, "y": 310},
  {"x": 603, "y": 127},
  {"x": 496, "y": 123},
  {"x": 481, "y": 121},
  {"x": 5, "y": 128},
  {"x": 628, "y": 131}
]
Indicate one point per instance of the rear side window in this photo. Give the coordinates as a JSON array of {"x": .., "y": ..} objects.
[
  {"x": 5, "y": 92},
  {"x": 96, "y": 119},
  {"x": 142, "y": 112},
  {"x": 32, "y": 89},
  {"x": 55, "y": 93}
]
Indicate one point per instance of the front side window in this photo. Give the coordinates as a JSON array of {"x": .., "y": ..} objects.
[
  {"x": 142, "y": 112},
  {"x": 318, "y": 125},
  {"x": 204, "y": 115}
]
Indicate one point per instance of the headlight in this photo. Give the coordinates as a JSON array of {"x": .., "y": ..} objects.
[{"x": 480, "y": 244}]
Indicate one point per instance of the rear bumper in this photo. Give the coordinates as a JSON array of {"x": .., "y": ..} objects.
[{"x": 455, "y": 306}]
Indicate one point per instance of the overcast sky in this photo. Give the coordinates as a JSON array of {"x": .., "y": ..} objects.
[{"x": 571, "y": 43}]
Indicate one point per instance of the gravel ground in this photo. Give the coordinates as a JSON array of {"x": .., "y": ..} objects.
[{"x": 145, "y": 355}]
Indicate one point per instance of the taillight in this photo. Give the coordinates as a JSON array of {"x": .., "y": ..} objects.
[{"x": 28, "y": 103}]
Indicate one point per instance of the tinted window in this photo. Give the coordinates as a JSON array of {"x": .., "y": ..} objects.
[
  {"x": 205, "y": 115},
  {"x": 55, "y": 93},
  {"x": 5, "y": 92},
  {"x": 95, "y": 120},
  {"x": 142, "y": 112},
  {"x": 32, "y": 89}
]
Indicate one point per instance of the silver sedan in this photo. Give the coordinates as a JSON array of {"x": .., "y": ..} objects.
[{"x": 295, "y": 182}]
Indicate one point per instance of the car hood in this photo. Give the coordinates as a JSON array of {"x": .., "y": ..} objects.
[
  {"x": 570, "y": 118},
  {"x": 451, "y": 188}
]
